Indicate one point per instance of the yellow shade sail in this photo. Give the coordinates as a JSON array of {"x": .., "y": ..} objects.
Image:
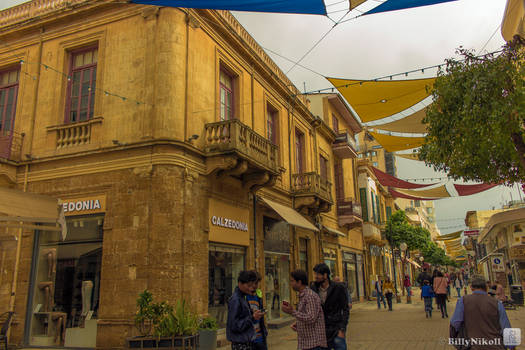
[
  {"x": 411, "y": 156},
  {"x": 397, "y": 143},
  {"x": 411, "y": 124},
  {"x": 513, "y": 20},
  {"x": 373, "y": 100},
  {"x": 437, "y": 192},
  {"x": 355, "y": 3},
  {"x": 453, "y": 235}
]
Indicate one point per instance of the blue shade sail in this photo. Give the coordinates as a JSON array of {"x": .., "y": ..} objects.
[
  {"x": 394, "y": 5},
  {"x": 312, "y": 7}
]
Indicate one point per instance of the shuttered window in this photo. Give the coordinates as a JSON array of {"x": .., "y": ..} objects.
[{"x": 364, "y": 204}]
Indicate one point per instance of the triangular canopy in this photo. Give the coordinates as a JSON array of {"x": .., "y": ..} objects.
[
  {"x": 373, "y": 100},
  {"x": 453, "y": 235},
  {"x": 467, "y": 190},
  {"x": 437, "y": 192},
  {"x": 312, "y": 7},
  {"x": 355, "y": 3},
  {"x": 394, "y": 5},
  {"x": 397, "y": 143},
  {"x": 396, "y": 194},
  {"x": 411, "y": 156},
  {"x": 409, "y": 124},
  {"x": 392, "y": 181}
]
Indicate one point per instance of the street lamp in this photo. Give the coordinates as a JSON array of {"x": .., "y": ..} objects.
[{"x": 403, "y": 247}]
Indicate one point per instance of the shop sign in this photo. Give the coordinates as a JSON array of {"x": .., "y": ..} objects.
[
  {"x": 471, "y": 232},
  {"x": 350, "y": 257},
  {"x": 229, "y": 223},
  {"x": 518, "y": 237},
  {"x": 517, "y": 252},
  {"x": 85, "y": 205},
  {"x": 497, "y": 263}
]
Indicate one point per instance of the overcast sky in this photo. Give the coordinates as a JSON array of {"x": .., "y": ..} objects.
[{"x": 382, "y": 44}]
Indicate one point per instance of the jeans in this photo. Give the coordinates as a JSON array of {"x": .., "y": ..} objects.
[
  {"x": 260, "y": 346},
  {"x": 448, "y": 290},
  {"x": 389, "y": 300},
  {"x": 409, "y": 290},
  {"x": 428, "y": 304},
  {"x": 275, "y": 296},
  {"x": 337, "y": 344},
  {"x": 459, "y": 292},
  {"x": 442, "y": 303},
  {"x": 380, "y": 297}
]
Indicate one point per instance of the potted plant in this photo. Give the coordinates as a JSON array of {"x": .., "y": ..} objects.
[
  {"x": 208, "y": 333},
  {"x": 161, "y": 326}
]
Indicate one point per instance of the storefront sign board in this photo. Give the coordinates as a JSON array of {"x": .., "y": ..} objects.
[
  {"x": 228, "y": 224},
  {"x": 84, "y": 205},
  {"x": 498, "y": 264}
]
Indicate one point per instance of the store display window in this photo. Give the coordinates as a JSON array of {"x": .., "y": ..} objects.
[
  {"x": 276, "y": 265},
  {"x": 330, "y": 259},
  {"x": 64, "y": 299},
  {"x": 350, "y": 274},
  {"x": 225, "y": 263}
]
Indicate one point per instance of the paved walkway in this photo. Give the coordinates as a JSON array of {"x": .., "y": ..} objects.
[{"x": 404, "y": 328}]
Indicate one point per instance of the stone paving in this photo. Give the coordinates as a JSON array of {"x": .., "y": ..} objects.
[{"x": 404, "y": 328}]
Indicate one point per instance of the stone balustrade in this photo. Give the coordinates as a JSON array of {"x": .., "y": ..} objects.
[{"x": 312, "y": 184}]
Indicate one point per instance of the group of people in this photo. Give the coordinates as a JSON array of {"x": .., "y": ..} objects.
[{"x": 321, "y": 315}]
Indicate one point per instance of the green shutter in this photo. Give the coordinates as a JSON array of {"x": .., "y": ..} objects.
[
  {"x": 364, "y": 204},
  {"x": 388, "y": 213},
  {"x": 378, "y": 207},
  {"x": 373, "y": 199}
]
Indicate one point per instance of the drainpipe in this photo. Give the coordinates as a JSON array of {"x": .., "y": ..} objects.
[{"x": 255, "y": 253}]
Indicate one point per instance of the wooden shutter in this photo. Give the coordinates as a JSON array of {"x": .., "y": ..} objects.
[
  {"x": 364, "y": 204},
  {"x": 339, "y": 180}
]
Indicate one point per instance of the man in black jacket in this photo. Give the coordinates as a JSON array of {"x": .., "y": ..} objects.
[{"x": 335, "y": 306}]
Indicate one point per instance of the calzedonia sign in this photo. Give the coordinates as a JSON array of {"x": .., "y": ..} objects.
[
  {"x": 229, "y": 223},
  {"x": 86, "y": 205}
]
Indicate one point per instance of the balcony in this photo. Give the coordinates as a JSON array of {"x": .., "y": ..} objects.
[
  {"x": 349, "y": 212},
  {"x": 344, "y": 146},
  {"x": 10, "y": 154},
  {"x": 234, "y": 149},
  {"x": 312, "y": 192},
  {"x": 372, "y": 233}
]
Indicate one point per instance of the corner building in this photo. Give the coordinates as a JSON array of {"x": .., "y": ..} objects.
[{"x": 182, "y": 155}]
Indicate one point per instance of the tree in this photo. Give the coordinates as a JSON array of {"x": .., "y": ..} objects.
[{"x": 476, "y": 123}]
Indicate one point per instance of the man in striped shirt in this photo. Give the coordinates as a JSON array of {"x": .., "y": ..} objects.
[{"x": 309, "y": 315}]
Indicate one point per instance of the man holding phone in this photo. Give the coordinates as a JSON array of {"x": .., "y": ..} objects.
[
  {"x": 256, "y": 304},
  {"x": 240, "y": 328},
  {"x": 309, "y": 314}
]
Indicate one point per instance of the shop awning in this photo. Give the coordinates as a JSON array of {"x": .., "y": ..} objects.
[
  {"x": 409, "y": 124},
  {"x": 24, "y": 210},
  {"x": 374, "y": 100},
  {"x": 333, "y": 231},
  {"x": 290, "y": 215},
  {"x": 416, "y": 265},
  {"x": 397, "y": 143},
  {"x": 312, "y": 7}
]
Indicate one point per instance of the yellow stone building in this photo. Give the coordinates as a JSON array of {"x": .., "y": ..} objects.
[{"x": 182, "y": 155}]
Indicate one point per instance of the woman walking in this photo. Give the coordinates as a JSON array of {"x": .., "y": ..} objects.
[
  {"x": 440, "y": 288},
  {"x": 427, "y": 294},
  {"x": 388, "y": 289}
]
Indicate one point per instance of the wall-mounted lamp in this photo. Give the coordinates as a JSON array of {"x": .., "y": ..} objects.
[{"x": 193, "y": 137}]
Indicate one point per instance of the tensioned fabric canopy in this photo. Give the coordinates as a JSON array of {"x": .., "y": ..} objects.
[
  {"x": 394, "y": 5},
  {"x": 397, "y": 143},
  {"x": 22, "y": 210},
  {"x": 437, "y": 192},
  {"x": 453, "y": 235},
  {"x": 373, "y": 100},
  {"x": 355, "y": 3},
  {"x": 410, "y": 124},
  {"x": 410, "y": 156},
  {"x": 467, "y": 190},
  {"x": 392, "y": 181},
  {"x": 311, "y": 7},
  {"x": 396, "y": 194}
]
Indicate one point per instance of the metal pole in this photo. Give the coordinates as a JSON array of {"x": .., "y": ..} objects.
[{"x": 255, "y": 254}]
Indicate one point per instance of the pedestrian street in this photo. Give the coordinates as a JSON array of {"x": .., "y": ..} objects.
[{"x": 404, "y": 328}]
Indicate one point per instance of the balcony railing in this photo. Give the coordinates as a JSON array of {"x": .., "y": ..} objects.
[
  {"x": 75, "y": 134},
  {"x": 312, "y": 184},
  {"x": 11, "y": 146},
  {"x": 344, "y": 146},
  {"x": 348, "y": 207},
  {"x": 233, "y": 136},
  {"x": 371, "y": 232}
]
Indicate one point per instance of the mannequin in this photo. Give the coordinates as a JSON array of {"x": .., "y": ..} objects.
[
  {"x": 51, "y": 255},
  {"x": 60, "y": 319},
  {"x": 49, "y": 295},
  {"x": 87, "y": 292}
]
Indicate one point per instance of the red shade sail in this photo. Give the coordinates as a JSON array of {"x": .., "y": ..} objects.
[
  {"x": 391, "y": 181},
  {"x": 467, "y": 190}
]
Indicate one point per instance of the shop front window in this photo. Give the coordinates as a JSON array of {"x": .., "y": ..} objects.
[
  {"x": 350, "y": 274},
  {"x": 303, "y": 255},
  {"x": 225, "y": 263},
  {"x": 66, "y": 285},
  {"x": 276, "y": 265},
  {"x": 330, "y": 259}
]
